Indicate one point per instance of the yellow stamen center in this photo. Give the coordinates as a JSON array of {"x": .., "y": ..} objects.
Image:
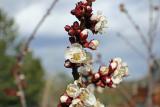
[{"x": 77, "y": 56}]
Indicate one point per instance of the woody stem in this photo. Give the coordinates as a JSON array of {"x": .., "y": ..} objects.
[{"x": 75, "y": 73}]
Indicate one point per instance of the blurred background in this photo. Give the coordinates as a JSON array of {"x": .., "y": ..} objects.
[{"x": 133, "y": 33}]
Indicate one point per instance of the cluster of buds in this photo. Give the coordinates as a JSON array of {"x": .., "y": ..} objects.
[
  {"x": 83, "y": 9},
  {"x": 111, "y": 76},
  {"x": 81, "y": 92},
  {"x": 79, "y": 31}
]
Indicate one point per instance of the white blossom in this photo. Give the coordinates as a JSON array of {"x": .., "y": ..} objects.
[
  {"x": 101, "y": 22},
  {"x": 76, "y": 54},
  {"x": 120, "y": 72},
  {"x": 87, "y": 97},
  {"x": 73, "y": 90}
]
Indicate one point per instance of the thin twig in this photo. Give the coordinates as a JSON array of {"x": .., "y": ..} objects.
[
  {"x": 22, "y": 53},
  {"x": 150, "y": 18},
  {"x": 127, "y": 96},
  {"x": 149, "y": 102},
  {"x": 148, "y": 45},
  {"x": 134, "y": 48},
  {"x": 137, "y": 28},
  {"x": 151, "y": 25},
  {"x": 40, "y": 23},
  {"x": 155, "y": 26}
]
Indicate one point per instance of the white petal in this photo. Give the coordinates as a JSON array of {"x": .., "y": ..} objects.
[
  {"x": 116, "y": 80},
  {"x": 85, "y": 32},
  {"x": 94, "y": 17},
  {"x": 113, "y": 65},
  {"x": 98, "y": 26},
  {"x": 63, "y": 99},
  {"x": 119, "y": 60}
]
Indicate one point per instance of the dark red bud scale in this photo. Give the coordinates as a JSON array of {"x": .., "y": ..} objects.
[
  {"x": 110, "y": 84},
  {"x": 78, "y": 31},
  {"x": 86, "y": 44},
  {"x": 69, "y": 101},
  {"x": 68, "y": 64},
  {"x": 106, "y": 79},
  {"x": 83, "y": 36},
  {"x": 101, "y": 84},
  {"x": 73, "y": 12},
  {"x": 95, "y": 77},
  {"x": 75, "y": 25},
  {"x": 67, "y": 28},
  {"x": 72, "y": 40},
  {"x": 71, "y": 32}
]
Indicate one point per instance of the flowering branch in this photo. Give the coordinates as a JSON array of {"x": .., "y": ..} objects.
[
  {"x": 19, "y": 59},
  {"x": 81, "y": 92}
]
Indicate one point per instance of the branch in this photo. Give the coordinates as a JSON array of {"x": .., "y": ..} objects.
[
  {"x": 136, "y": 26},
  {"x": 40, "y": 23},
  {"x": 155, "y": 26},
  {"x": 75, "y": 73},
  {"x": 19, "y": 59},
  {"x": 151, "y": 29},
  {"x": 134, "y": 48}
]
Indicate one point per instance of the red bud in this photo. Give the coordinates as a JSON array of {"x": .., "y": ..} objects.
[
  {"x": 100, "y": 83},
  {"x": 73, "y": 12},
  {"x": 67, "y": 28},
  {"x": 71, "y": 32},
  {"x": 76, "y": 25}
]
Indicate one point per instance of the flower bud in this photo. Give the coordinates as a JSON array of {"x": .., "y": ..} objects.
[
  {"x": 71, "y": 32},
  {"x": 106, "y": 79},
  {"x": 73, "y": 12},
  {"x": 64, "y": 99},
  {"x": 93, "y": 44},
  {"x": 113, "y": 65},
  {"x": 89, "y": 8},
  {"x": 67, "y": 28},
  {"x": 110, "y": 84},
  {"x": 100, "y": 83},
  {"x": 96, "y": 76},
  {"x": 84, "y": 34},
  {"x": 86, "y": 44},
  {"x": 76, "y": 25},
  {"x": 67, "y": 64},
  {"x": 103, "y": 70}
]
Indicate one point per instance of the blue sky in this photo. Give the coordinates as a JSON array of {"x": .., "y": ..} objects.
[{"x": 51, "y": 40}]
